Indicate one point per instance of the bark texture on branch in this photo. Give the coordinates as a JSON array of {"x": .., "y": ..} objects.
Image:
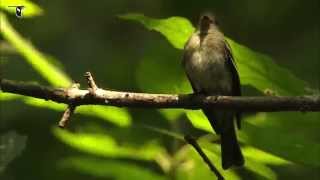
[{"x": 100, "y": 96}]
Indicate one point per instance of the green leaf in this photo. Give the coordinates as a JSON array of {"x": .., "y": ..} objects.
[
  {"x": 291, "y": 136},
  {"x": 258, "y": 162},
  {"x": 199, "y": 120},
  {"x": 30, "y": 9},
  {"x": 113, "y": 169},
  {"x": 9, "y": 97},
  {"x": 259, "y": 71},
  {"x": 104, "y": 145},
  {"x": 263, "y": 157},
  {"x": 34, "y": 57},
  {"x": 175, "y": 29}
]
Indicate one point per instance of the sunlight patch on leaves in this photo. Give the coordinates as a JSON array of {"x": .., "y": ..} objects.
[
  {"x": 118, "y": 116},
  {"x": 171, "y": 114},
  {"x": 263, "y": 157},
  {"x": 115, "y": 115},
  {"x": 44, "y": 104},
  {"x": 199, "y": 120},
  {"x": 104, "y": 145},
  {"x": 260, "y": 169},
  {"x": 9, "y": 96}
]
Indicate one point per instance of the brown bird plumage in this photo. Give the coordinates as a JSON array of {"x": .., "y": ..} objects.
[{"x": 209, "y": 65}]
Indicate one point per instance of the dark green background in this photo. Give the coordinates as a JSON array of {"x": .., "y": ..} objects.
[{"x": 87, "y": 36}]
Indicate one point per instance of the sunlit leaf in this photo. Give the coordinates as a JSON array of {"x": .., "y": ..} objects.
[
  {"x": 171, "y": 114},
  {"x": 114, "y": 115},
  {"x": 118, "y": 170},
  {"x": 104, "y": 145},
  {"x": 119, "y": 116},
  {"x": 199, "y": 120},
  {"x": 44, "y": 104},
  {"x": 260, "y": 169},
  {"x": 263, "y": 157},
  {"x": 9, "y": 97},
  {"x": 30, "y": 9}
]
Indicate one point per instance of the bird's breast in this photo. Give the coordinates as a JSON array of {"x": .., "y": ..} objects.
[{"x": 208, "y": 72}]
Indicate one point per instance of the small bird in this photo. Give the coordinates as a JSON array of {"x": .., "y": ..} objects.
[{"x": 211, "y": 70}]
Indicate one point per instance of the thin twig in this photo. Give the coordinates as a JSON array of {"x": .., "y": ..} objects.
[
  {"x": 66, "y": 116},
  {"x": 92, "y": 85},
  {"x": 190, "y": 140}
]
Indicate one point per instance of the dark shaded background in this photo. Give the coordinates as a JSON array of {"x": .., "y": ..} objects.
[{"x": 86, "y": 35}]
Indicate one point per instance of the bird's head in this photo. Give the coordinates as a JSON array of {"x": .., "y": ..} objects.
[{"x": 206, "y": 22}]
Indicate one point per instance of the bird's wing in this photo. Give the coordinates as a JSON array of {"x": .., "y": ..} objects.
[
  {"x": 236, "y": 87},
  {"x": 195, "y": 90},
  {"x": 185, "y": 57}
]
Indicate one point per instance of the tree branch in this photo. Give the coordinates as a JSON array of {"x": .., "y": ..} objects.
[{"x": 95, "y": 95}]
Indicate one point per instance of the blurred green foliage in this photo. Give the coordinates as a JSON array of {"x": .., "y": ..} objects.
[{"x": 146, "y": 144}]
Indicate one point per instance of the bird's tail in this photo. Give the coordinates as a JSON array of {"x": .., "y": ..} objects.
[{"x": 230, "y": 149}]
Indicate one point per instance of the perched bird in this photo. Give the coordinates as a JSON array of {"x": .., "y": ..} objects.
[{"x": 211, "y": 70}]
